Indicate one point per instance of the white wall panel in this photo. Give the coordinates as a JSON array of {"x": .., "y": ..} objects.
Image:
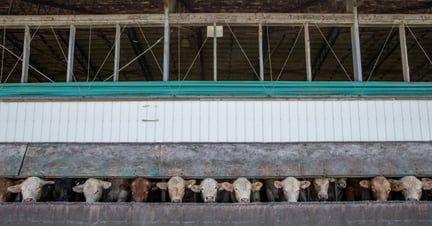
[{"x": 217, "y": 121}]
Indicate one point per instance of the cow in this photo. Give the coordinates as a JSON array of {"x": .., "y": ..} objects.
[
  {"x": 119, "y": 191},
  {"x": 30, "y": 189},
  {"x": 92, "y": 189},
  {"x": 321, "y": 188},
  {"x": 176, "y": 188},
  {"x": 140, "y": 188},
  {"x": 379, "y": 186},
  {"x": 209, "y": 189},
  {"x": 273, "y": 193},
  {"x": 242, "y": 189},
  {"x": 411, "y": 187},
  {"x": 291, "y": 188},
  {"x": 63, "y": 190}
]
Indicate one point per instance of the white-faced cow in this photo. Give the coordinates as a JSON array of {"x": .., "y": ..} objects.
[
  {"x": 92, "y": 189},
  {"x": 379, "y": 186},
  {"x": 209, "y": 188},
  {"x": 411, "y": 187},
  {"x": 291, "y": 188},
  {"x": 176, "y": 187},
  {"x": 321, "y": 187},
  {"x": 140, "y": 188},
  {"x": 30, "y": 188},
  {"x": 242, "y": 189},
  {"x": 119, "y": 190}
]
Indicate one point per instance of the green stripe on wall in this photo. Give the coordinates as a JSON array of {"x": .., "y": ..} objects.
[{"x": 206, "y": 88}]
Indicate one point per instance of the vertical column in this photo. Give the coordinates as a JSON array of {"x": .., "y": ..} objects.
[
  {"x": 355, "y": 41},
  {"x": 117, "y": 53},
  {"x": 261, "y": 57},
  {"x": 214, "y": 52},
  {"x": 71, "y": 53},
  {"x": 404, "y": 53},
  {"x": 26, "y": 55},
  {"x": 166, "y": 43},
  {"x": 307, "y": 53}
]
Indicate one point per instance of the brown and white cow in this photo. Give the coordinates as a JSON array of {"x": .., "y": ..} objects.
[
  {"x": 140, "y": 188},
  {"x": 119, "y": 190},
  {"x": 379, "y": 186},
  {"x": 411, "y": 187},
  {"x": 176, "y": 187},
  {"x": 242, "y": 189},
  {"x": 291, "y": 188},
  {"x": 92, "y": 189},
  {"x": 209, "y": 188},
  {"x": 30, "y": 188}
]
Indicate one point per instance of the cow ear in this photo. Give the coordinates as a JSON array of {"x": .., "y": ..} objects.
[
  {"x": 105, "y": 184},
  {"x": 78, "y": 188},
  {"x": 44, "y": 182},
  {"x": 305, "y": 184},
  {"x": 196, "y": 188},
  {"x": 257, "y": 186},
  {"x": 162, "y": 185},
  {"x": 219, "y": 187},
  {"x": 427, "y": 184},
  {"x": 190, "y": 183},
  {"x": 341, "y": 183},
  {"x": 331, "y": 179},
  {"x": 396, "y": 185},
  {"x": 278, "y": 184},
  {"x": 227, "y": 186},
  {"x": 15, "y": 188},
  {"x": 365, "y": 184}
]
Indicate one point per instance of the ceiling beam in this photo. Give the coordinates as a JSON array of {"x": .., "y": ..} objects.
[
  {"x": 57, "y": 5},
  {"x": 204, "y": 19}
]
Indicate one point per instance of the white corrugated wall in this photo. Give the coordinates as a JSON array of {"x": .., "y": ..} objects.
[{"x": 217, "y": 121}]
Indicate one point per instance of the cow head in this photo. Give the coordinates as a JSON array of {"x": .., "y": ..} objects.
[
  {"x": 92, "y": 189},
  {"x": 30, "y": 188},
  {"x": 242, "y": 189},
  {"x": 176, "y": 188},
  {"x": 321, "y": 186},
  {"x": 411, "y": 187},
  {"x": 140, "y": 188},
  {"x": 208, "y": 188},
  {"x": 291, "y": 188},
  {"x": 380, "y": 187}
]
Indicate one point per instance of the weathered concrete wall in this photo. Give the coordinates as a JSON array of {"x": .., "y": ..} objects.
[
  {"x": 165, "y": 214},
  {"x": 218, "y": 160}
]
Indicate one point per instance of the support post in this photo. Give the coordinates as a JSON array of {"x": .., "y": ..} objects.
[
  {"x": 307, "y": 53},
  {"x": 26, "y": 55},
  {"x": 261, "y": 57},
  {"x": 355, "y": 40},
  {"x": 166, "y": 43},
  {"x": 214, "y": 52},
  {"x": 404, "y": 53},
  {"x": 71, "y": 53},
  {"x": 117, "y": 53}
]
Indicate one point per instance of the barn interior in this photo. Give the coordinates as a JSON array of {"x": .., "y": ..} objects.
[{"x": 238, "y": 50}]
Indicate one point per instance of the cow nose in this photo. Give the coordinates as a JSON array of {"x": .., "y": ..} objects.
[
  {"x": 322, "y": 197},
  {"x": 176, "y": 201},
  {"x": 28, "y": 200},
  {"x": 412, "y": 199},
  {"x": 209, "y": 199},
  {"x": 244, "y": 200}
]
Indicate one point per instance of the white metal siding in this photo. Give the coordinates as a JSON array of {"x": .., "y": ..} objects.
[{"x": 217, "y": 121}]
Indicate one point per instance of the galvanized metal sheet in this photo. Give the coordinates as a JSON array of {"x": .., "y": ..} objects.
[
  {"x": 11, "y": 157},
  {"x": 155, "y": 214},
  {"x": 91, "y": 160},
  {"x": 227, "y": 160}
]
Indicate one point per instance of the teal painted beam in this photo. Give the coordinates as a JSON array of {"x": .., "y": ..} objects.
[{"x": 210, "y": 88}]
